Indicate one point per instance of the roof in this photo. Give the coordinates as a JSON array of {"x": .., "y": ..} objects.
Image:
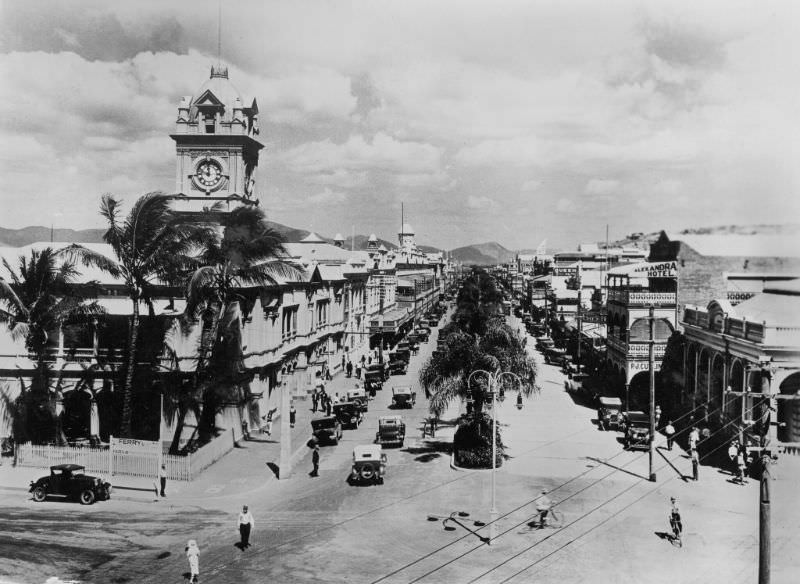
[
  {"x": 778, "y": 305},
  {"x": 736, "y": 245},
  {"x": 330, "y": 273},
  {"x": 70, "y": 467},
  {"x": 222, "y": 89},
  {"x": 610, "y": 401},
  {"x": 121, "y": 305},
  {"x": 374, "y": 450},
  {"x": 320, "y": 251}
]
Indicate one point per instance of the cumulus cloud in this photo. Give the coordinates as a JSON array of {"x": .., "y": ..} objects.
[
  {"x": 327, "y": 197},
  {"x": 481, "y": 203},
  {"x": 601, "y": 186}
]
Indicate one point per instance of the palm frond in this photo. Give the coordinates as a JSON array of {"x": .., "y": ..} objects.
[{"x": 76, "y": 253}]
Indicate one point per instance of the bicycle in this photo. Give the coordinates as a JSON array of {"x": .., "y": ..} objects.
[{"x": 554, "y": 520}]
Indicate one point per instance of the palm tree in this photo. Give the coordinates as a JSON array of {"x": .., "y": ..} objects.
[
  {"x": 248, "y": 254},
  {"x": 151, "y": 247},
  {"x": 35, "y": 301}
]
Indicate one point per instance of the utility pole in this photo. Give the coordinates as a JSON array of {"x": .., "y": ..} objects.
[
  {"x": 651, "y": 357},
  {"x": 580, "y": 322}
]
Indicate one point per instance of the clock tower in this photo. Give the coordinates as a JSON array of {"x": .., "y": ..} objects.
[{"x": 217, "y": 146}]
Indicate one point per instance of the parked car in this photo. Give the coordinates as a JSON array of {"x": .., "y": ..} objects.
[
  {"x": 423, "y": 334},
  {"x": 359, "y": 397},
  {"x": 379, "y": 368},
  {"x": 544, "y": 343},
  {"x": 554, "y": 355},
  {"x": 403, "y": 397},
  {"x": 413, "y": 343},
  {"x": 397, "y": 365},
  {"x": 575, "y": 382},
  {"x": 348, "y": 414},
  {"x": 609, "y": 413},
  {"x": 369, "y": 464},
  {"x": 68, "y": 480},
  {"x": 637, "y": 431},
  {"x": 327, "y": 429},
  {"x": 391, "y": 430}
]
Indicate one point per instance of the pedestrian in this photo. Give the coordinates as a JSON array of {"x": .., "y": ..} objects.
[
  {"x": 369, "y": 361},
  {"x": 741, "y": 465},
  {"x": 658, "y": 415},
  {"x": 162, "y": 476},
  {"x": 292, "y": 415},
  {"x": 694, "y": 438},
  {"x": 193, "y": 555},
  {"x": 358, "y": 371},
  {"x": 695, "y": 465},
  {"x": 336, "y": 398},
  {"x": 314, "y": 400},
  {"x": 246, "y": 525},
  {"x": 329, "y": 404},
  {"x": 669, "y": 430},
  {"x": 328, "y": 375},
  {"x": 733, "y": 452},
  {"x": 434, "y": 423},
  {"x": 315, "y": 461},
  {"x": 268, "y": 421},
  {"x": 349, "y": 368},
  {"x": 245, "y": 430},
  {"x": 363, "y": 360}
]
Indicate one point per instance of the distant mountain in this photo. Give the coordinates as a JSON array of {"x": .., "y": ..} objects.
[
  {"x": 489, "y": 253},
  {"x": 763, "y": 229},
  {"x": 28, "y": 235}
]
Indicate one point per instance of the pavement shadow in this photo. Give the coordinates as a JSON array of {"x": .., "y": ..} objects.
[
  {"x": 432, "y": 450},
  {"x": 580, "y": 400},
  {"x": 619, "y": 468},
  {"x": 275, "y": 469},
  {"x": 262, "y": 440},
  {"x": 664, "y": 535},
  {"x": 682, "y": 476}
]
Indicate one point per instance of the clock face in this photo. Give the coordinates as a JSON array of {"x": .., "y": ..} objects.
[{"x": 209, "y": 174}]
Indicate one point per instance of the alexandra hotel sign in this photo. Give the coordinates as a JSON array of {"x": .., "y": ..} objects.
[{"x": 657, "y": 269}]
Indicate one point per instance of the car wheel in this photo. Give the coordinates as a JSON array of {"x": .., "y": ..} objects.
[
  {"x": 367, "y": 472},
  {"x": 39, "y": 494},
  {"x": 87, "y": 497}
]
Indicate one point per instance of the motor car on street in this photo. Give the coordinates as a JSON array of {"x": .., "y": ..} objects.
[
  {"x": 403, "y": 397},
  {"x": 397, "y": 364},
  {"x": 576, "y": 382},
  {"x": 327, "y": 430},
  {"x": 609, "y": 413},
  {"x": 423, "y": 334},
  {"x": 348, "y": 413},
  {"x": 544, "y": 343},
  {"x": 554, "y": 355},
  {"x": 369, "y": 464},
  {"x": 637, "y": 431},
  {"x": 359, "y": 397},
  {"x": 69, "y": 481},
  {"x": 391, "y": 430},
  {"x": 379, "y": 368}
]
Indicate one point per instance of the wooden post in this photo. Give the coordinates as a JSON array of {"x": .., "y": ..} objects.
[
  {"x": 764, "y": 551},
  {"x": 651, "y": 356}
]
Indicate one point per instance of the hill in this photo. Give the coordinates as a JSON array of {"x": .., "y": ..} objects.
[
  {"x": 28, "y": 235},
  {"x": 484, "y": 254}
]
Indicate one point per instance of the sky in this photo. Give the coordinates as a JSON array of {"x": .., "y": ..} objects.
[{"x": 489, "y": 121}]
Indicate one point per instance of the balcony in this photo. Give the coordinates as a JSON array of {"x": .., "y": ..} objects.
[
  {"x": 637, "y": 349},
  {"x": 642, "y": 298}
]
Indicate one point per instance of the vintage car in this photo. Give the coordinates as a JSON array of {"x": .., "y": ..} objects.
[
  {"x": 403, "y": 397},
  {"x": 554, "y": 355},
  {"x": 380, "y": 368},
  {"x": 403, "y": 353},
  {"x": 348, "y": 413},
  {"x": 327, "y": 429},
  {"x": 68, "y": 480},
  {"x": 609, "y": 413},
  {"x": 391, "y": 430},
  {"x": 369, "y": 464},
  {"x": 422, "y": 334},
  {"x": 575, "y": 383},
  {"x": 544, "y": 343},
  {"x": 373, "y": 382},
  {"x": 359, "y": 397},
  {"x": 397, "y": 365},
  {"x": 637, "y": 431}
]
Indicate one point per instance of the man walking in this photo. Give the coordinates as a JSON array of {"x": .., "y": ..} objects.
[
  {"x": 162, "y": 476},
  {"x": 246, "y": 524},
  {"x": 669, "y": 430},
  {"x": 315, "y": 461},
  {"x": 695, "y": 464},
  {"x": 314, "y": 399},
  {"x": 349, "y": 368},
  {"x": 694, "y": 438},
  {"x": 292, "y": 415}
]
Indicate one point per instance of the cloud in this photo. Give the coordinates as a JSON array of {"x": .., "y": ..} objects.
[
  {"x": 566, "y": 206},
  {"x": 480, "y": 203},
  {"x": 530, "y": 186},
  {"x": 601, "y": 186},
  {"x": 327, "y": 197}
]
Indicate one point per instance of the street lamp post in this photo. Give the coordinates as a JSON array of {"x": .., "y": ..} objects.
[{"x": 493, "y": 379}]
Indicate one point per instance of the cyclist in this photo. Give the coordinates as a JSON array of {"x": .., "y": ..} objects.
[
  {"x": 675, "y": 519},
  {"x": 543, "y": 505}
]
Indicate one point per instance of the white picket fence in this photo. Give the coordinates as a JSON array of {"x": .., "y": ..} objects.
[{"x": 104, "y": 460}]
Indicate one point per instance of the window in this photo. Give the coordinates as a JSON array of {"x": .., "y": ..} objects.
[
  {"x": 289, "y": 322},
  {"x": 322, "y": 312}
]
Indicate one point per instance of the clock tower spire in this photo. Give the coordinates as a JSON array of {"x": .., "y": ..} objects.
[{"x": 217, "y": 146}]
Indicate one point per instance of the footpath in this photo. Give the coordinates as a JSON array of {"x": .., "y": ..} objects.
[{"x": 225, "y": 478}]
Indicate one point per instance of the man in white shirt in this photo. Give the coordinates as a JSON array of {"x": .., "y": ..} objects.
[
  {"x": 543, "y": 505},
  {"x": 246, "y": 524}
]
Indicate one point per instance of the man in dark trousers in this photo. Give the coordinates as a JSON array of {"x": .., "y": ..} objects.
[
  {"x": 162, "y": 475},
  {"x": 695, "y": 464},
  {"x": 314, "y": 400},
  {"x": 315, "y": 461},
  {"x": 349, "y": 368},
  {"x": 246, "y": 523}
]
